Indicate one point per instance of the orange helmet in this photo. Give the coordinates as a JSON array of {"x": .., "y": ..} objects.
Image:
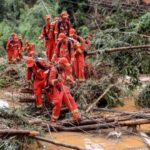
[
  {"x": 47, "y": 17},
  {"x": 61, "y": 36},
  {"x": 64, "y": 14},
  {"x": 63, "y": 61},
  {"x": 29, "y": 62},
  {"x": 56, "y": 18},
  {"x": 13, "y": 34},
  {"x": 72, "y": 32}
]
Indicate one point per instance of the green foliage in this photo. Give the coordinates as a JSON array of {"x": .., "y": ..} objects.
[
  {"x": 141, "y": 24},
  {"x": 143, "y": 98},
  {"x": 25, "y": 18}
]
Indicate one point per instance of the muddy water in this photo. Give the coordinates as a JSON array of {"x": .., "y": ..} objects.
[
  {"x": 99, "y": 141},
  {"x": 90, "y": 142}
]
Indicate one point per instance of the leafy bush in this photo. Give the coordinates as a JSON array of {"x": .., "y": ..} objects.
[{"x": 143, "y": 99}]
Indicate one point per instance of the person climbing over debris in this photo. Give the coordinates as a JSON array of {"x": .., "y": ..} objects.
[
  {"x": 58, "y": 92},
  {"x": 12, "y": 48},
  {"x": 35, "y": 74},
  {"x": 48, "y": 35},
  {"x": 63, "y": 25},
  {"x": 79, "y": 46},
  {"x": 30, "y": 48}
]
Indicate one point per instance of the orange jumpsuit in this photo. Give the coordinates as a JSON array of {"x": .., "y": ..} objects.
[
  {"x": 79, "y": 62},
  {"x": 38, "y": 82},
  {"x": 20, "y": 49},
  {"x": 30, "y": 48},
  {"x": 48, "y": 34},
  {"x": 64, "y": 49},
  {"x": 12, "y": 48},
  {"x": 59, "y": 93}
]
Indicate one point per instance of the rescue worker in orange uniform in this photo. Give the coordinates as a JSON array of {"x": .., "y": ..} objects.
[
  {"x": 79, "y": 46},
  {"x": 63, "y": 25},
  {"x": 20, "y": 48},
  {"x": 59, "y": 92},
  {"x": 12, "y": 48},
  {"x": 48, "y": 35},
  {"x": 64, "y": 48},
  {"x": 30, "y": 48},
  {"x": 35, "y": 74}
]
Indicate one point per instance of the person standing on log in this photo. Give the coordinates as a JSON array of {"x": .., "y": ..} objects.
[
  {"x": 48, "y": 35},
  {"x": 63, "y": 25},
  {"x": 35, "y": 74},
  {"x": 79, "y": 63},
  {"x": 12, "y": 48},
  {"x": 58, "y": 92},
  {"x": 30, "y": 48}
]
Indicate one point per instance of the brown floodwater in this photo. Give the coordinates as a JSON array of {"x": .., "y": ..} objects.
[{"x": 99, "y": 140}]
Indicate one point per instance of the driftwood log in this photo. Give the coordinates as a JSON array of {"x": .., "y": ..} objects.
[
  {"x": 18, "y": 132},
  {"x": 111, "y": 50}
]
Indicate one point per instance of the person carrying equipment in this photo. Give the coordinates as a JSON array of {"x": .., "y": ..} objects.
[
  {"x": 79, "y": 63},
  {"x": 12, "y": 48},
  {"x": 64, "y": 48},
  {"x": 48, "y": 35},
  {"x": 63, "y": 25}
]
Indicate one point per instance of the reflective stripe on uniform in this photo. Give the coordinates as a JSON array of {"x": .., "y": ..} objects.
[{"x": 75, "y": 111}]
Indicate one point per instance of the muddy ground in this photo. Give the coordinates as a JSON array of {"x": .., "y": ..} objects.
[{"x": 98, "y": 140}]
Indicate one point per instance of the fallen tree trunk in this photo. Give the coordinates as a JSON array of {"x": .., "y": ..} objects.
[
  {"x": 134, "y": 122},
  {"x": 135, "y": 114},
  {"x": 95, "y": 121},
  {"x": 111, "y": 50},
  {"x": 56, "y": 143},
  {"x": 104, "y": 125},
  {"x": 18, "y": 132}
]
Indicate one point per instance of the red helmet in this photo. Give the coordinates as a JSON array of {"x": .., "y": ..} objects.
[
  {"x": 56, "y": 18},
  {"x": 63, "y": 61},
  {"x": 29, "y": 62},
  {"x": 72, "y": 32},
  {"x": 61, "y": 36}
]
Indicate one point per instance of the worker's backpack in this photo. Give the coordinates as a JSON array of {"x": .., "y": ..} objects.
[
  {"x": 59, "y": 24},
  {"x": 69, "y": 42},
  {"x": 47, "y": 87},
  {"x": 46, "y": 32}
]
